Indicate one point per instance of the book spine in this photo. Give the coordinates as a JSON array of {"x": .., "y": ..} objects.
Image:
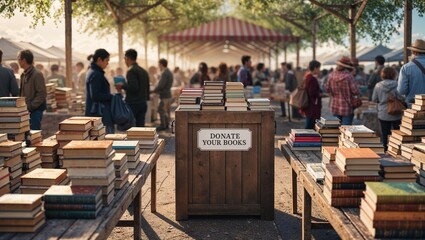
[
  {"x": 307, "y": 144},
  {"x": 71, "y": 214},
  {"x": 397, "y": 233},
  {"x": 52, "y": 206},
  {"x": 348, "y": 186},
  {"x": 356, "y": 179},
  {"x": 400, "y": 199},
  {"x": 345, "y": 202},
  {"x": 351, "y": 193},
  {"x": 406, "y": 225},
  {"x": 7, "y": 103},
  {"x": 55, "y": 199}
]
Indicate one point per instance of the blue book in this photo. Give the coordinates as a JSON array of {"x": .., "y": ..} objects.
[
  {"x": 119, "y": 79},
  {"x": 307, "y": 144}
]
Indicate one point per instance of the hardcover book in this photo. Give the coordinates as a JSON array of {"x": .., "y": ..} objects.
[
  {"x": 73, "y": 194},
  {"x": 44, "y": 177},
  {"x": 20, "y": 202},
  {"x": 393, "y": 192}
]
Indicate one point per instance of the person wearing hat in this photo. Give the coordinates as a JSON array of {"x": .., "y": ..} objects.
[
  {"x": 342, "y": 88},
  {"x": 376, "y": 76},
  {"x": 411, "y": 79}
]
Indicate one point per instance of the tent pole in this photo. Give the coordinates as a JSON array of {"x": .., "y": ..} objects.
[
  {"x": 68, "y": 42},
  {"x": 407, "y": 29},
  {"x": 298, "y": 53},
  {"x": 159, "y": 49},
  {"x": 277, "y": 56}
]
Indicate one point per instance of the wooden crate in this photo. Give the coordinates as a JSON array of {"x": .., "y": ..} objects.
[{"x": 225, "y": 182}]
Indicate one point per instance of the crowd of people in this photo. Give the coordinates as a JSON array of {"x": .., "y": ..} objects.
[{"x": 148, "y": 92}]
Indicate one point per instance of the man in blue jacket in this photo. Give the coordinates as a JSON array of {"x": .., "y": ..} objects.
[{"x": 9, "y": 86}]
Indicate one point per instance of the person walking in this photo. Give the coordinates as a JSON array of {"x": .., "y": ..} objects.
[
  {"x": 342, "y": 88},
  {"x": 8, "y": 83},
  {"x": 313, "y": 110},
  {"x": 136, "y": 87},
  {"x": 201, "y": 76},
  {"x": 81, "y": 77},
  {"x": 33, "y": 88},
  {"x": 223, "y": 73},
  {"x": 61, "y": 80},
  {"x": 411, "y": 79},
  {"x": 376, "y": 75},
  {"x": 164, "y": 90},
  {"x": 291, "y": 83},
  {"x": 98, "y": 90},
  {"x": 384, "y": 89}
]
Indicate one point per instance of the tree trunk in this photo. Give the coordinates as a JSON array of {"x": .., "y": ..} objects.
[
  {"x": 407, "y": 29},
  {"x": 352, "y": 28},
  {"x": 68, "y": 43},
  {"x": 298, "y": 53},
  {"x": 120, "y": 44},
  {"x": 313, "y": 36}
]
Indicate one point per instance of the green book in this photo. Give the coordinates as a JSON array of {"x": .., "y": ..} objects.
[
  {"x": 72, "y": 214},
  {"x": 395, "y": 192}
]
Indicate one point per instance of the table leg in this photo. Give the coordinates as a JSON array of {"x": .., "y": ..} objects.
[
  {"x": 294, "y": 192},
  {"x": 137, "y": 205},
  {"x": 306, "y": 221},
  {"x": 153, "y": 189}
]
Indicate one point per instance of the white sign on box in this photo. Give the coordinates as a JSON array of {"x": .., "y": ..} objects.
[{"x": 224, "y": 139}]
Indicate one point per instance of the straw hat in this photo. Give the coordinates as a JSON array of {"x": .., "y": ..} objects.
[
  {"x": 345, "y": 62},
  {"x": 418, "y": 46}
]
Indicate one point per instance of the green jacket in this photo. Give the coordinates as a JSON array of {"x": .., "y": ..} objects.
[
  {"x": 33, "y": 88},
  {"x": 137, "y": 85}
]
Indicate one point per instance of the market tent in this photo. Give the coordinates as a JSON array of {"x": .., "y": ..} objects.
[
  {"x": 40, "y": 51},
  {"x": 10, "y": 51},
  {"x": 227, "y": 35},
  {"x": 60, "y": 53},
  {"x": 369, "y": 54},
  {"x": 394, "y": 56}
]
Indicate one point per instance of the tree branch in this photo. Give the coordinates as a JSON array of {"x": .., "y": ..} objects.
[
  {"x": 330, "y": 10},
  {"x": 359, "y": 12},
  {"x": 111, "y": 9},
  {"x": 293, "y": 22},
  {"x": 135, "y": 15}
]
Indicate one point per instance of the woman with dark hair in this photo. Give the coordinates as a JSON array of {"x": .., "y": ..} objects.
[
  {"x": 260, "y": 75},
  {"x": 312, "y": 87},
  {"x": 223, "y": 73},
  {"x": 383, "y": 89},
  {"x": 98, "y": 91},
  {"x": 201, "y": 76}
]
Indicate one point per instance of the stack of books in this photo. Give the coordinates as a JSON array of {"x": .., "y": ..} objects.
[
  {"x": 394, "y": 210},
  {"x": 328, "y": 155},
  {"x": 121, "y": 170},
  {"x": 14, "y": 117},
  {"x": 265, "y": 92},
  {"x": 77, "y": 104},
  {"x": 397, "y": 170},
  {"x": 116, "y": 137},
  {"x": 80, "y": 151},
  {"x": 341, "y": 190},
  {"x": 48, "y": 149},
  {"x": 259, "y": 104},
  {"x": 4, "y": 180},
  {"x": 418, "y": 158},
  {"x": 98, "y": 130},
  {"x": 329, "y": 130},
  {"x": 51, "y": 100},
  {"x": 147, "y": 136},
  {"x": 316, "y": 171},
  {"x": 358, "y": 161},
  {"x": 359, "y": 136},
  {"x": 31, "y": 159},
  {"x": 39, "y": 180},
  {"x": 10, "y": 152},
  {"x": 399, "y": 138},
  {"x": 413, "y": 121},
  {"x": 407, "y": 150},
  {"x": 130, "y": 149},
  {"x": 33, "y": 137},
  {"x": 73, "y": 202},
  {"x": 21, "y": 213},
  {"x": 304, "y": 139},
  {"x": 72, "y": 129},
  {"x": 235, "y": 97},
  {"x": 190, "y": 99},
  {"x": 63, "y": 98},
  {"x": 213, "y": 98}
]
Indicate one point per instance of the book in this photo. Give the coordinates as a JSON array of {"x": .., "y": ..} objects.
[
  {"x": 72, "y": 135},
  {"x": 17, "y": 228},
  {"x": 358, "y": 131},
  {"x": 72, "y": 214},
  {"x": 95, "y": 172},
  {"x": 393, "y": 192},
  {"x": 357, "y": 156},
  {"x": 12, "y": 102},
  {"x": 94, "y": 181},
  {"x": 94, "y": 149},
  {"x": 119, "y": 79},
  {"x": 316, "y": 171},
  {"x": 9, "y": 146},
  {"x": 75, "y": 125},
  {"x": 13, "y": 109},
  {"x": 329, "y": 121},
  {"x": 304, "y": 133},
  {"x": 335, "y": 175},
  {"x": 44, "y": 177},
  {"x": 22, "y": 221},
  {"x": 395, "y": 165},
  {"x": 329, "y": 152},
  {"x": 19, "y": 202},
  {"x": 73, "y": 194}
]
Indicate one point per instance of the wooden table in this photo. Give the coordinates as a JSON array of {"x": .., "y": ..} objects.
[
  {"x": 345, "y": 221},
  {"x": 109, "y": 217}
]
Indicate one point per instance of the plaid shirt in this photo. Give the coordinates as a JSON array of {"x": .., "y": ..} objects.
[{"x": 342, "y": 87}]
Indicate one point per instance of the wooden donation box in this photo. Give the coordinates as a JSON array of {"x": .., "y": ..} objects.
[{"x": 224, "y": 163}]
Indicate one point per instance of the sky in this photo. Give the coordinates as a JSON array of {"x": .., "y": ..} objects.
[{"x": 18, "y": 28}]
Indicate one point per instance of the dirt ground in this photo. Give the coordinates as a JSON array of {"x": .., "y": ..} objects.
[{"x": 162, "y": 224}]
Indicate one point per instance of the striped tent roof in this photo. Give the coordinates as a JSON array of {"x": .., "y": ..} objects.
[{"x": 228, "y": 28}]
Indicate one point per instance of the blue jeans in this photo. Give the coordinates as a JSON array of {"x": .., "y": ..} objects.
[
  {"x": 309, "y": 123},
  {"x": 345, "y": 120},
  {"x": 35, "y": 119},
  {"x": 139, "y": 112},
  {"x": 110, "y": 129}
]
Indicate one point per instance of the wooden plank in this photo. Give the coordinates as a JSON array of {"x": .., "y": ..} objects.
[
  {"x": 354, "y": 215},
  {"x": 53, "y": 229},
  {"x": 294, "y": 192},
  {"x": 233, "y": 174},
  {"x": 190, "y": 163},
  {"x": 225, "y": 209},
  {"x": 217, "y": 174},
  {"x": 137, "y": 224},
  {"x": 200, "y": 170},
  {"x": 306, "y": 218},
  {"x": 250, "y": 173},
  {"x": 267, "y": 165},
  {"x": 224, "y": 117},
  {"x": 182, "y": 157},
  {"x": 153, "y": 189}
]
